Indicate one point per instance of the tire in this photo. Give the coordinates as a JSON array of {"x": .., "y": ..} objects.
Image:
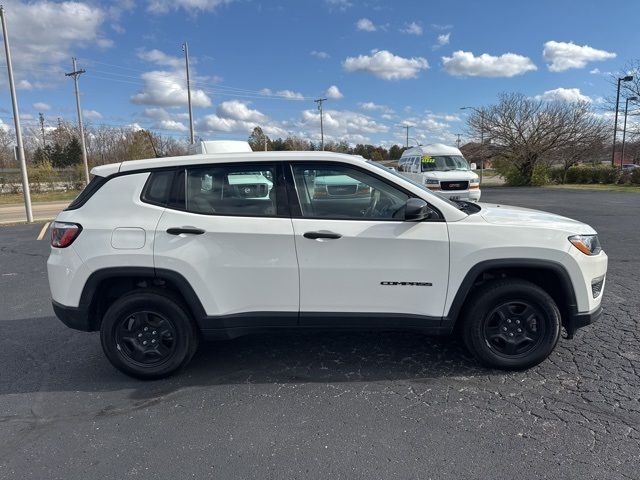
[
  {"x": 511, "y": 324},
  {"x": 148, "y": 335}
]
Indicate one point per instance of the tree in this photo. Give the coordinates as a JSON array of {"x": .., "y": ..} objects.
[
  {"x": 395, "y": 152},
  {"x": 140, "y": 147},
  {"x": 526, "y": 131},
  {"x": 72, "y": 153},
  {"x": 258, "y": 140}
]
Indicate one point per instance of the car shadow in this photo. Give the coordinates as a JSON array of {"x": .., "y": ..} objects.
[{"x": 43, "y": 355}]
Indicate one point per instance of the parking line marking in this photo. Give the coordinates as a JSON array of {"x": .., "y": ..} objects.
[{"x": 43, "y": 231}]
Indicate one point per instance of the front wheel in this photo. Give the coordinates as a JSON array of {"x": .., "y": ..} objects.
[
  {"x": 511, "y": 324},
  {"x": 148, "y": 335}
]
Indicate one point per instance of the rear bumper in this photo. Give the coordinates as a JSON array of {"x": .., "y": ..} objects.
[
  {"x": 579, "y": 320},
  {"x": 73, "y": 317}
]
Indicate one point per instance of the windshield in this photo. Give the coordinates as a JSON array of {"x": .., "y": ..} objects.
[
  {"x": 444, "y": 163},
  {"x": 419, "y": 185}
]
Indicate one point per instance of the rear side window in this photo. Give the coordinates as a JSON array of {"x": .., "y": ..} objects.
[
  {"x": 92, "y": 187},
  {"x": 237, "y": 190},
  {"x": 158, "y": 187}
]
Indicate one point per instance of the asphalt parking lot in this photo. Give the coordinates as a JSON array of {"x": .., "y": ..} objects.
[{"x": 371, "y": 406}]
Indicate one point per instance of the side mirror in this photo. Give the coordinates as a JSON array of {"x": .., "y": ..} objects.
[
  {"x": 473, "y": 166},
  {"x": 416, "y": 209}
]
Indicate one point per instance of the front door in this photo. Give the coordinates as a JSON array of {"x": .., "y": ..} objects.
[{"x": 357, "y": 256}]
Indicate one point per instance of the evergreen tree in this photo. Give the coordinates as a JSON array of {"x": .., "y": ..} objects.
[{"x": 72, "y": 153}]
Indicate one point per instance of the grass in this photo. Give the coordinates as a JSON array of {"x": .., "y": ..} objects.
[
  {"x": 9, "y": 198},
  {"x": 598, "y": 187}
]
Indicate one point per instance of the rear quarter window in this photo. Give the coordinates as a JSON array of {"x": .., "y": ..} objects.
[
  {"x": 158, "y": 187},
  {"x": 92, "y": 187}
]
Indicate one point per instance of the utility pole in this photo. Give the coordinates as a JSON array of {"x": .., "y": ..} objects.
[
  {"x": 44, "y": 140},
  {"x": 406, "y": 127},
  {"x": 16, "y": 120},
  {"x": 75, "y": 74},
  {"x": 319, "y": 102},
  {"x": 185, "y": 47},
  {"x": 458, "y": 140}
]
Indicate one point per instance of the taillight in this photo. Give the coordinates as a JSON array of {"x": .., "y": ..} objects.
[{"x": 63, "y": 234}]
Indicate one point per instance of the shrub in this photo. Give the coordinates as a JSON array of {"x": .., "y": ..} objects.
[
  {"x": 635, "y": 176},
  {"x": 556, "y": 174},
  {"x": 512, "y": 176},
  {"x": 541, "y": 175}
]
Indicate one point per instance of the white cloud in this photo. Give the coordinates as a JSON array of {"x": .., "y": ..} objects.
[
  {"x": 384, "y": 64},
  {"x": 340, "y": 5},
  {"x": 104, "y": 43},
  {"x": 161, "y": 58},
  {"x": 562, "y": 56},
  {"x": 345, "y": 125},
  {"x": 168, "y": 89},
  {"x": 287, "y": 94},
  {"x": 290, "y": 95},
  {"x": 412, "y": 29},
  {"x": 564, "y": 95},
  {"x": 191, "y": 6},
  {"x": 595, "y": 71},
  {"x": 366, "y": 25},
  {"x": 236, "y": 117},
  {"x": 485, "y": 65},
  {"x": 41, "y": 106},
  {"x": 334, "y": 92},
  {"x": 373, "y": 107},
  {"x": 171, "y": 125},
  {"x": 442, "y": 40},
  {"x": 44, "y": 36},
  {"x": 92, "y": 114},
  {"x": 319, "y": 54}
]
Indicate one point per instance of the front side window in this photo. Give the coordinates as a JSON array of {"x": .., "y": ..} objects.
[
  {"x": 341, "y": 192},
  {"x": 242, "y": 190}
]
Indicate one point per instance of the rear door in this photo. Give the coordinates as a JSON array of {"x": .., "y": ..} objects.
[
  {"x": 227, "y": 230},
  {"x": 356, "y": 254}
]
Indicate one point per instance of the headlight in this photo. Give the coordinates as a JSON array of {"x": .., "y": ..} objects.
[
  {"x": 474, "y": 181},
  {"x": 432, "y": 181},
  {"x": 587, "y": 244}
]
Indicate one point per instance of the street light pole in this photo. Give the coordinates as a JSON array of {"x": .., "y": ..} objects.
[
  {"x": 628, "y": 78},
  {"x": 16, "y": 121},
  {"x": 624, "y": 128}
]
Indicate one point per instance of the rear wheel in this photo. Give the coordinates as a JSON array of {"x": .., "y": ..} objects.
[
  {"x": 148, "y": 335},
  {"x": 511, "y": 324}
]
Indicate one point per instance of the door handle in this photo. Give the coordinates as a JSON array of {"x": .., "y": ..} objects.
[
  {"x": 189, "y": 230},
  {"x": 322, "y": 234}
]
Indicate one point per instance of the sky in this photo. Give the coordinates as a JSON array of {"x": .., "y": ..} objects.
[{"x": 379, "y": 63}]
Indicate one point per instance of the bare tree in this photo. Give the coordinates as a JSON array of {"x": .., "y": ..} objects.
[{"x": 526, "y": 131}]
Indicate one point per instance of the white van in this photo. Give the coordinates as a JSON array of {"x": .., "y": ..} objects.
[{"x": 441, "y": 168}]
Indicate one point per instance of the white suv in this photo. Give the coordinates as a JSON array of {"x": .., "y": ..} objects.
[{"x": 157, "y": 254}]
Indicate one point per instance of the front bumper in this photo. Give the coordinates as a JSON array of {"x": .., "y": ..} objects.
[
  {"x": 472, "y": 195},
  {"x": 73, "y": 317},
  {"x": 579, "y": 320}
]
